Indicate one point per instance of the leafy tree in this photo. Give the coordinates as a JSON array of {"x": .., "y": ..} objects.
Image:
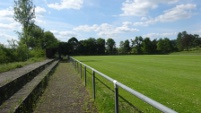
[
  {"x": 73, "y": 45},
  {"x": 37, "y": 37},
  {"x": 124, "y": 47},
  {"x": 137, "y": 44},
  {"x": 147, "y": 46},
  {"x": 110, "y": 46},
  {"x": 7, "y": 54},
  {"x": 100, "y": 46},
  {"x": 91, "y": 46},
  {"x": 127, "y": 47},
  {"x": 49, "y": 41},
  {"x": 164, "y": 45},
  {"x": 24, "y": 13},
  {"x": 121, "y": 47},
  {"x": 197, "y": 41},
  {"x": 179, "y": 41},
  {"x": 63, "y": 48},
  {"x": 82, "y": 47},
  {"x": 3, "y": 54},
  {"x": 186, "y": 41}
]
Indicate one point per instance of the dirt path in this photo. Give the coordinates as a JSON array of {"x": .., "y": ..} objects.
[{"x": 65, "y": 93}]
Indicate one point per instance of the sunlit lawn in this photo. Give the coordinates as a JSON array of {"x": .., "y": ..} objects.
[{"x": 173, "y": 80}]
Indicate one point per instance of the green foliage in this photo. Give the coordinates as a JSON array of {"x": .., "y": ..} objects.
[
  {"x": 49, "y": 41},
  {"x": 137, "y": 44},
  {"x": 124, "y": 47},
  {"x": 37, "y": 53},
  {"x": 100, "y": 46},
  {"x": 22, "y": 52},
  {"x": 147, "y": 46},
  {"x": 91, "y": 46},
  {"x": 186, "y": 41},
  {"x": 3, "y": 57},
  {"x": 24, "y": 12},
  {"x": 110, "y": 46},
  {"x": 164, "y": 45},
  {"x": 7, "y": 54}
]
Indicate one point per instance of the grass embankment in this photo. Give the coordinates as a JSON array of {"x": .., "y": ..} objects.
[
  {"x": 13, "y": 65},
  {"x": 173, "y": 80}
]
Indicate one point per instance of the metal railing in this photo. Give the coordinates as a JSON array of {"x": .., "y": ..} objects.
[{"x": 117, "y": 84}]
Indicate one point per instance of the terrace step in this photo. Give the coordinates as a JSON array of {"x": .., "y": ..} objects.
[
  {"x": 12, "y": 81},
  {"x": 24, "y": 99}
]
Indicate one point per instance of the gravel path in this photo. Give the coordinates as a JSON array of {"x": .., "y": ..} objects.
[{"x": 65, "y": 93}]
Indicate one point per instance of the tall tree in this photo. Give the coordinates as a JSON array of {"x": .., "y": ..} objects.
[
  {"x": 36, "y": 38},
  {"x": 49, "y": 41},
  {"x": 137, "y": 44},
  {"x": 164, "y": 45},
  {"x": 127, "y": 47},
  {"x": 24, "y": 13},
  {"x": 110, "y": 46},
  {"x": 185, "y": 40},
  {"x": 147, "y": 46},
  {"x": 121, "y": 47},
  {"x": 179, "y": 41},
  {"x": 100, "y": 46},
  {"x": 91, "y": 46},
  {"x": 73, "y": 45}
]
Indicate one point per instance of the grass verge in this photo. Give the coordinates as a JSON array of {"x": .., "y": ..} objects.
[{"x": 13, "y": 65}]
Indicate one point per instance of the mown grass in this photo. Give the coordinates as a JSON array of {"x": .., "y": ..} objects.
[
  {"x": 13, "y": 65},
  {"x": 173, "y": 80}
]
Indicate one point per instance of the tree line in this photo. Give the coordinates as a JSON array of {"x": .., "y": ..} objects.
[{"x": 138, "y": 45}]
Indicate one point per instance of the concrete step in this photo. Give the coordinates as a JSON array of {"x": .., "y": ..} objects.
[
  {"x": 24, "y": 99},
  {"x": 13, "y": 80}
]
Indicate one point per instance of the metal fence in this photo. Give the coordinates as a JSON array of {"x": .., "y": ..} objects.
[{"x": 78, "y": 65}]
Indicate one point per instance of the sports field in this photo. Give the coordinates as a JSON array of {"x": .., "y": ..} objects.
[{"x": 173, "y": 80}]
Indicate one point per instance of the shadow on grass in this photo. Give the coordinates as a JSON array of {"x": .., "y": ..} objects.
[{"x": 90, "y": 60}]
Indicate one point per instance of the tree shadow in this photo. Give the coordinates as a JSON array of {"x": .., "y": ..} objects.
[{"x": 90, "y": 60}]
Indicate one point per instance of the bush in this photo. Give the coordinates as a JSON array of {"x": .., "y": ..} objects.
[{"x": 37, "y": 53}]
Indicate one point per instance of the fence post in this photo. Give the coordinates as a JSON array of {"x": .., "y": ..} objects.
[
  {"x": 116, "y": 93},
  {"x": 93, "y": 83},
  {"x": 85, "y": 73},
  {"x": 77, "y": 67},
  {"x": 74, "y": 64},
  {"x": 81, "y": 70}
]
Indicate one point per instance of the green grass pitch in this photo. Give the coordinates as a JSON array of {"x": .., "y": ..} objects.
[{"x": 173, "y": 80}]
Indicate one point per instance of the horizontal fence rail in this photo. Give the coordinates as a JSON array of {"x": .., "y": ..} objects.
[{"x": 117, "y": 84}]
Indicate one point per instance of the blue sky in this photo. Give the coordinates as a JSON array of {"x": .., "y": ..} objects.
[{"x": 117, "y": 19}]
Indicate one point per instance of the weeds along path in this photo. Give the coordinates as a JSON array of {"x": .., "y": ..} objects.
[{"x": 65, "y": 93}]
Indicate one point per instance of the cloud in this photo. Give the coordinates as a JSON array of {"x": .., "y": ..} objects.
[
  {"x": 6, "y": 15},
  {"x": 6, "y": 12},
  {"x": 67, "y": 4},
  {"x": 7, "y": 22},
  {"x": 4, "y": 37},
  {"x": 40, "y": 10},
  {"x": 141, "y": 7},
  {"x": 63, "y": 35},
  {"x": 86, "y": 28},
  {"x": 106, "y": 29},
  {"x": 178, "y": 12},
  {"x": 9, "y": 26},
  {"x": 159, "y": 35}
]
